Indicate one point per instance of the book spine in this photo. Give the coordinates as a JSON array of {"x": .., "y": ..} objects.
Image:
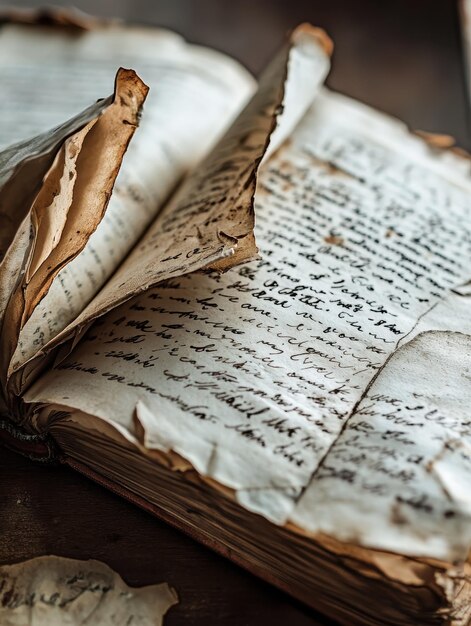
[{"x": 40, "y": 448}]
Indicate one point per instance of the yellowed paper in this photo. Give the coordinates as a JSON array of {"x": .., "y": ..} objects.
[
  {"x": 54, "y": 591},
  {"x": 195, "y": 94},
  {"x": 77, "y": 195},
  {"x": 255, "y": 377},
  {"x": 210, "y": 221}
]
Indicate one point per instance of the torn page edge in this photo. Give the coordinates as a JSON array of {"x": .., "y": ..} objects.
[
  {"x": 38, "y": 154},
  {"x": 57, "y": 590},
  {"x": 306, "y": 44},
  {"x": 28, "y": 160},
  {"x": 452, "y": 164},
  {"x": 130, "y": 93},
  {"x": 51, "y": 206},
  {"x": 439, "y": 143},
  {"x": 444, "y": 577},
  {"x": 406, "y": 570},
  {"x": 123, "y": 114}
]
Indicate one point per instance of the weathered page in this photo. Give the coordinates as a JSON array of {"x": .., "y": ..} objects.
[
  {"x": 209, "y": 223},
  {"x": 399, "y": 475},
  {"x": 195, "y": 94},
  {"x": 54, "y": 591},
  {"x": 71, "y": 201},
  {"x": 42, "y": 233},
  {"x": 256, "y": 376},
  {"x": 83, "y": 63}
]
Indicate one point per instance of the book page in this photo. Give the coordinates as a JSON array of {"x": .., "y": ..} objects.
[
  {"x": 210, "y": 220},
  {"x": 256, "y": 377},
  {"x": 71, "y": 201},
  {"x": 195, "y": 93},
  {"x": 29, "y": 161},
  {"x": 44, "y": 224},
  {"x": 399, "y": 474}
]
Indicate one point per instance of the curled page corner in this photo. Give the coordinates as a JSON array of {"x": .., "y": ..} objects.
[
  {"x": 209, "y": 223},
  {"x": 73, "y": 182}
]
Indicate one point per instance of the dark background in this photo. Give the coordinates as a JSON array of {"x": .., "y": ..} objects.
[{"x": 402, "y": 56}]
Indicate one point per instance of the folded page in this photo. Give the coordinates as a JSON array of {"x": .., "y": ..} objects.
[
  {"x": 42, "y": 233},
  {"x": 195, "y": 93},
  {"x": 209, "y": 222},
  {"x": 263, "y": 378}
]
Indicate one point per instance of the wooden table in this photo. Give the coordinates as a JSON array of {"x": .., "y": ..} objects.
[
  {"x": 401, "y": 56},
  {"x": 53, "y": 510}
]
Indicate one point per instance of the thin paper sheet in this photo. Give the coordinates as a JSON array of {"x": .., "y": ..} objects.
[
  {"x": 194, "y": 95},
  {"x": 55, "y": 591},
  {"x": 256, "y": 377},
  {"x": 69, "y": 170},
  {"x": 210, "y": 221}
]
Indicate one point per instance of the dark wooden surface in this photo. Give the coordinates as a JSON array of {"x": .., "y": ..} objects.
[
  {"x": 403, "y": 57},
  {"x": 54, "y": 510}
]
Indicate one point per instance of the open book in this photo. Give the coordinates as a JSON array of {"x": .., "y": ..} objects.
[{"x": 259, "y": 329}]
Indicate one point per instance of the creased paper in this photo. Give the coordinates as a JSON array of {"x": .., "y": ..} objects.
[
  {"x": 195, "y": 93},
  {"x": 54, "y": 591},
  {"x": 210, "y": 222},
  {"x": 90, "y": 163},
  {"x": 253, "y": 376},
  {"x": 76, "y": 187}
]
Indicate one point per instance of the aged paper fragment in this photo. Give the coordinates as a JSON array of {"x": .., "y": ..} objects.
[
  {"x": 55, "y": 591},
  {"x": 194, "y": 95},
  {"x": 76, "y": 192},
  {"x": 29, "y": 161},
  {"x": 77, "y": 196},
  {"x": 23, "y": 168},
  {"x": 210, "y": 221}
]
